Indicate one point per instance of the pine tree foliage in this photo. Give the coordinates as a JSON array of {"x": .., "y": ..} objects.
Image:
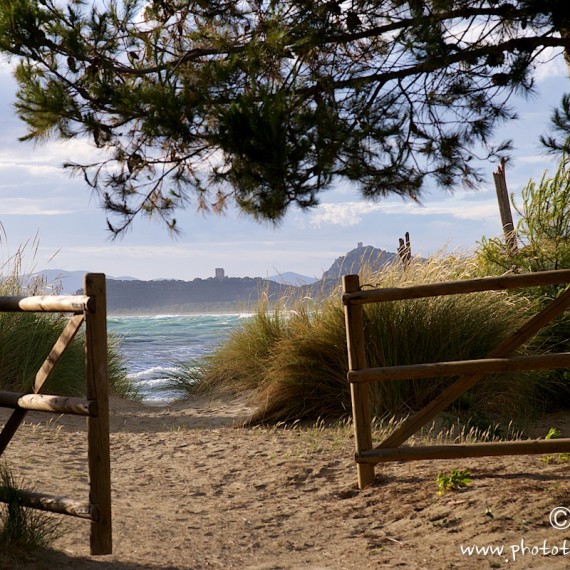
[{"x": 269, "y": 102}]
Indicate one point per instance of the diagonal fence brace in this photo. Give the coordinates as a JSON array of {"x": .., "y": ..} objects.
[
  {"x": 450, "y": 394},
  {"x": 42, "y": 375}
]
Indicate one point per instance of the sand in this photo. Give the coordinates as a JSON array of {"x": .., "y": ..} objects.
[{"x": 191, "y": 491}]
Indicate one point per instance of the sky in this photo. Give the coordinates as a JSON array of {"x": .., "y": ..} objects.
[{"x": 63, "y": 226}]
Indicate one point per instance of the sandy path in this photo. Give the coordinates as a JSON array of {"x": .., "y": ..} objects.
[{"x": 190, "y": 492}]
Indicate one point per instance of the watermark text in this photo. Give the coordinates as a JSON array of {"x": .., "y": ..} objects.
[{"x": 518, "y": 550}]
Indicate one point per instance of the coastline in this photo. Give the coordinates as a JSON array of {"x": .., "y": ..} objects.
[{"x": 181, "y": 312}]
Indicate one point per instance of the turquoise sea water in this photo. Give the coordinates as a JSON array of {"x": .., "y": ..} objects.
[{"x": 154, "y": 345}]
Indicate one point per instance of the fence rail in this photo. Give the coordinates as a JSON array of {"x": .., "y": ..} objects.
[
  {"x": 48, "y": 304},
  {"x": 362, "y": 296},
  {"x": 89, "y": 309},
  {"x": 469, "y": 371}
]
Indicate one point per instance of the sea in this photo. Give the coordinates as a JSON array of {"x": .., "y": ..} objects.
[{"x": 153, "y": 346}]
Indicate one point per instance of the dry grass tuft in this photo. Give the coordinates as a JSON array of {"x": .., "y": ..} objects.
[{"x": 293, "y": 359}]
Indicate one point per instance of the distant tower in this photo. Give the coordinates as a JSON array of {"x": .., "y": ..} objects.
[
  {"x": 220, "y": 273},
  {"x": 359, "y": 245}
]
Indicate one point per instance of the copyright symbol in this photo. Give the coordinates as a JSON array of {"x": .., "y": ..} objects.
[{"x": 560, "y": 518}]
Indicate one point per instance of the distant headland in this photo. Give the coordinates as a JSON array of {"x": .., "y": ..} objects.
[{"x": 219, "y": 293}]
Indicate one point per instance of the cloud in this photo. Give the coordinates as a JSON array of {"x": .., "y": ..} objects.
[
  {"x": 352, "y": 213},
  {"x": 186, "y": 251},
  {"x": 466, "y": 210},
  {"x": 53, "y": 153},
  {"x": 344, "y": 214},
  {"x": 551, "y": 64},
  {"x": 24, "y": 207},
  {"x": 23, "y": 168}
]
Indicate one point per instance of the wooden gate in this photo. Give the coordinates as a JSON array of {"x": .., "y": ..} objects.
[
  {"x": 90, "y": 309},
  {"x": 469, "y": 371}
]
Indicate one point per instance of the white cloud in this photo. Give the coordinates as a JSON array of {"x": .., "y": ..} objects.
[
  {"x": 551, "y": 65},
  {"x": 23, "y": 207},
  {"x": 460, "y": 210},
  {"x": 343, "y": 214},
  {"x": 137, "y": 252},
  {"x": 52, "y": 153},
  {"x": 186, "y": 261},
  {"x": 24, "y": 168},
  {"x": 352, "y": 213}
]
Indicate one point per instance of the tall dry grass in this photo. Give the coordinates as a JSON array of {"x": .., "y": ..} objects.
[
  {"x": 292, "y": 360},
  {"x": 27, "y": 338},
  {"x": 22, "y": 529}
]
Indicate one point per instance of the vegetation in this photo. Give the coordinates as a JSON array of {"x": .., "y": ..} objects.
[
  {"x": 457, "y": 479},
  {"x": 27, "y": 338},
  {"x": 543, "y": 243},
  {"x": 25, "y": 341},
  {"x": 555, "y": 433},
  {"x": 543, "y": 229},
  {"x": 269, "y": 103},
  {"x": 293, "y": 360},
  {"x": 22, "y": 529}
]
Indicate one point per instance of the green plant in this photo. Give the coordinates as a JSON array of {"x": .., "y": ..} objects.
[
  {"x": 22, "y": 528},
  {"x": 555, "y": 433},
  {"x": 457, "y": 479},
  {"x": 25, "y": 341},
  {"x": 543, "y": 229}
]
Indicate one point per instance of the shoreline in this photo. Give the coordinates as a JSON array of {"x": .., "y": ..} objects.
[{"x": 163, "y": 314}]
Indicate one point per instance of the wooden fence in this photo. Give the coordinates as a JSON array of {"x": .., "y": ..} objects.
[
  {"x": 469, "y": 371},
  {"x": 90, "y": 309}
]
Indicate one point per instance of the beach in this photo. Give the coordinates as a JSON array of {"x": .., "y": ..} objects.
[{"x": 191, "y": 491}]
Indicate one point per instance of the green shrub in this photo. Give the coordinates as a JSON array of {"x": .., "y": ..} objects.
[
  {"x": 542, "y": 232},
  {"x": 294, "y": 362},
  {"x": 25, "y": 341}
]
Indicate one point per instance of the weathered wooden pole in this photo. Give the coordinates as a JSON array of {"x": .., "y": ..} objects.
[
  {"x": 359, "y": 393},
  {"x": 405, "y": 250},
  {"x": 98, "y": 426},
  {"x": 505, "y": 208}
]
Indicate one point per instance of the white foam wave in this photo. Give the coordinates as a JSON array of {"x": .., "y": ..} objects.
[{"x": 152, "y": 371}]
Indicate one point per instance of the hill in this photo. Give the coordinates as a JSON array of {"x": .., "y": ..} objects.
[
  {"x": 65, "y": 282},
  {"x": 354, "y": 260},
  {"x": 234, "y": 293},
  {"x": 292, "y": 278},
  {"x": 199, "y": 295},
  {"x": 128, "y": 295}
]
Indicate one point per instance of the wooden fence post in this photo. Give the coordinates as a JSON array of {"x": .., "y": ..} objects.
[
  {"x": 405, "y": 250},
  {"x": 359, "y": 393},
  {"x": 505, "y": 208},
  {"x": 499, "y": 360},
  {"x": 98, "y": 426}
]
